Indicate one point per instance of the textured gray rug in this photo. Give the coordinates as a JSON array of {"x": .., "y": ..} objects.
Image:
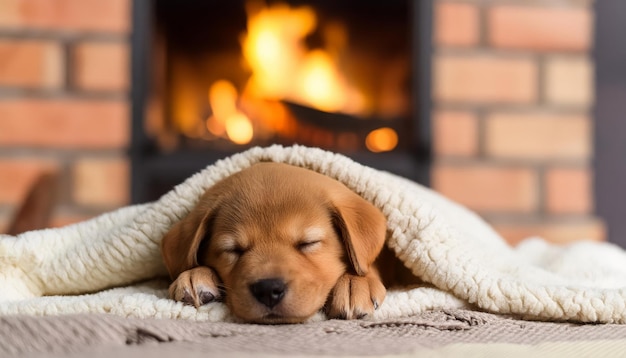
[{"x": 97, "y": 335}]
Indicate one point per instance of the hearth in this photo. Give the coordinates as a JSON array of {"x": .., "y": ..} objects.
[{"x": 212, "y": 78}]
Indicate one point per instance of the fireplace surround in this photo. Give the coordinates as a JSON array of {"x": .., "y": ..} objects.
[{"x": 183, "y": 54}]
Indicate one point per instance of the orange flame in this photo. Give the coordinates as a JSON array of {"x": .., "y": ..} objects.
[
  {"x": 282, "y": 66},
  {"x": 381, "y": 140},
  {"x": 227, "y": 119}
]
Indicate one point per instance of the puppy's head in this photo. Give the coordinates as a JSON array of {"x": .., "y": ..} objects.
[{"x": 279, "y": 237}]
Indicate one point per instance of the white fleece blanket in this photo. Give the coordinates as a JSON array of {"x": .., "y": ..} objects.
[{"x": 112, "y": 263}]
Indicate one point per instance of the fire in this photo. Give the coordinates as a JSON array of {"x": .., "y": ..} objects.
[
  {"x": 281, "y": 68},
  {"x": 239, "y": 128},
  {"x": 223, "y": 99},
  {"x": 317, "y": 85},
  {"x": 226, "y": 118},
  {"x": 273, "y": 46},
  {"x": 381, "y": 140},
  {"x": 284, "y": 68}
]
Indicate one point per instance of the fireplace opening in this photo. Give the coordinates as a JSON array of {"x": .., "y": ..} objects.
[{"x": 218, "y": 77}]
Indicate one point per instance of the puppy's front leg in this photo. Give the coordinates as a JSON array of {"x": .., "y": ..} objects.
[
  {"x": 355, "y": 297},
  {"x": 196, "y": 286}
]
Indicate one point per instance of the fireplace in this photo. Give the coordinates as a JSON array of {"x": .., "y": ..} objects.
[{"x": 212, "y": 78}]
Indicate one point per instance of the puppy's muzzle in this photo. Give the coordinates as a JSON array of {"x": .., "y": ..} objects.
[{"x": 269, "y": 291}]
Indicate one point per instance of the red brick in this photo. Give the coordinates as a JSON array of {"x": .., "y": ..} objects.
[
  {"x": 540, "y": 28},
  {"x": 569, "y": 81},
  {"x": 456, "y": 24},
  {"x": 484, "y": 79},
  {"x": 555, "y": 231},
  {"x": 17, "y": 176},
  {"x": 455, "y": 133},
  {"x": 568, "y": 191},
  {"x": 101, "y": 66},
  {"x": 101, "y": 182},
  {"x": 487, "y": 188},
  {"x": 31, "y": 64},
  {"x": 64, "y": 123},
  {"x": 538, "y": 136},
  {"x": 73, "y": 15}
]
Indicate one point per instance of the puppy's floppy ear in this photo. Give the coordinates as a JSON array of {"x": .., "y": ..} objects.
[
  {"x": 362, "y": 228},
  {"x": 180, "y": 245}
]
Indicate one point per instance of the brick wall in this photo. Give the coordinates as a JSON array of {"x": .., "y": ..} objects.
[
  {"x": 64, "y": 72},
  {"x": 512, "y": 90}
]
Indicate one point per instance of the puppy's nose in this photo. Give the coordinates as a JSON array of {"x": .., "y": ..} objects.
[{"x": 268, "y": 291}]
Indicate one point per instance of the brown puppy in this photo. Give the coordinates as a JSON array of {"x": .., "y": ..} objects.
[{"x": 280, "y": 243}]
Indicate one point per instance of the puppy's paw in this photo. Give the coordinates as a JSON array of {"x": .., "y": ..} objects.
[
  {"x": 355, "y": 297},
  {"x": 197, "y": 286}
]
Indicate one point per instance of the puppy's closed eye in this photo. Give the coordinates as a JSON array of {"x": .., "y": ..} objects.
[
  {"x": 309, "y": 245},
  {"x": 312, "y": 239},
  {"x": 234, "y": 251},
  {"x": 229, "y": 247}
]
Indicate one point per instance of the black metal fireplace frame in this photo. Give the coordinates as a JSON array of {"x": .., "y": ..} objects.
[{"x": 149, "y": 169}]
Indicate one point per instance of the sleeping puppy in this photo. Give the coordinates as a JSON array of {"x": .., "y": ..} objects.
[{"x": 278, "y": 243}]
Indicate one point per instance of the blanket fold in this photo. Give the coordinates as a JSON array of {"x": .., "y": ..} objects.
[{"x": 74, "y": 269}]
